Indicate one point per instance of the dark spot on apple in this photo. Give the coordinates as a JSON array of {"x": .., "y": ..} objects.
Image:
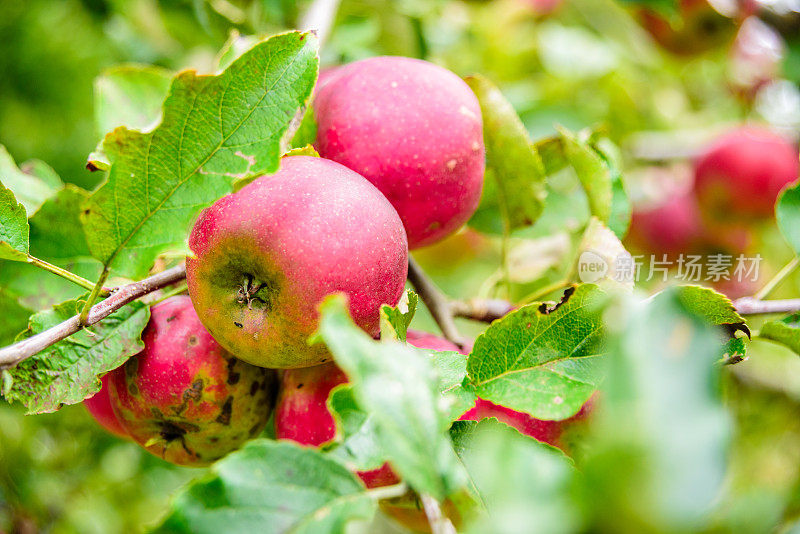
[
  {"x": 195, "y": 391},
  {"x": 254, "y": 388},
  {"x": 299, "y": 386},
  {"x": 224, "y": 417},
  {"x": 213, "y": 439},
  {"x": 254, "y": 429},
  {"x": 239, "y": 325},
  {"x": 170, "y": 431},
  {"x": 170, "y": 319},
  {"x": 193, "y": 341},
  {"x": 233, "y": 376}
]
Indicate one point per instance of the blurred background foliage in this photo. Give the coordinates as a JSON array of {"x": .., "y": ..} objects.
[{"x": 578, "y": 63}]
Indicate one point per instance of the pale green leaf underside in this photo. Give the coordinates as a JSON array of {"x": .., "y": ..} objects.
[
  {"x": 545, "y": 364},
  {"x": 130, "y": 96},
  {"x": 14, "y": 232},
  {"x": 395, "y": 320},
  {"x": 66, "y": 373},
  {"x": 214, "y": 130},
  {"x": 356, "y": 439},
  {"x": 30, "y": 188},
  {"x": 592, "y": 172},
  {"x": 270, "y": 486},
  {"x": 787, "y": 213},
  {"x": 785, "y": 331}
]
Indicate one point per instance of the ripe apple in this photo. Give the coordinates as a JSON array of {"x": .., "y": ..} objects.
[
  {"x": 414, "y": 130},
  {"x": 184, "y": 398},
  {"x": 266, "y": 256},
  {"x": 99, "y": 407},
  {"x": 741, "y": 174}
]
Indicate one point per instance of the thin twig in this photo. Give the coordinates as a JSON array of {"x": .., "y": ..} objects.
[
  {"x": 319, "y": 17},
  {"x": 13, "y": 354},
  {"x": 439, "y": 523},
  {"x": 753, "y": 306},
  {"x": 436, "y": 301},
  {"x": 483, "y": 310}
]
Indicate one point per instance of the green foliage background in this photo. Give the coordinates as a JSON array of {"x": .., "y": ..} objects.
[{"x": 61, "y": 473}]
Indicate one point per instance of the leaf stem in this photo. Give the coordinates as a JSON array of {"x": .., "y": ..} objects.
[
  {"x": 770, "y": 286},
  {"x": 13, "y": 354},
  {"x": 63, "y": 273},
  {"x": 93, "y": 296},
  {"x": 439, "y": 523}
]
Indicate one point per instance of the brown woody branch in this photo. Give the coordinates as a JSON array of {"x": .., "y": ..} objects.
[
  {"x": 436, "y": 301},
  {"x": 13, "y": 354}
]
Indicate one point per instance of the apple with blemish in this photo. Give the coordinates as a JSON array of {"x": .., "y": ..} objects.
[
  {"x": 184, "y": 398},
  {"x": 99, "y": 407},
  {"x": 265, "y": 257},
  {"x": 413, "y": 129}
]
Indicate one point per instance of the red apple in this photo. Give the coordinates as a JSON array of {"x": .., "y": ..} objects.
[
  {"x": 184, "y": 398},
  {"x": 266, "y": 256},
  {"x": 99, "y": 407},
  {"x": 741, "y": 174},
  {"x": 414, "y": 130},
  {"x": 672, "y": 227}
]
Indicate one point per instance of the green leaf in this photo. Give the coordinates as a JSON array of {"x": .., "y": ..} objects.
[
  {"x": 397, "y": 385},
  {"x": 395, "y": 320},
  {"x": 214, "y": 130},
  {"x": 785, "y": 331},
  {"x": 14, "y": 239},
  {"x": 660, "y": 457},
  {"x": 521, "y": 481},
  {"x": 130, "y": 96},
  {"x": 30, "y": 188},
  {"x": 66, "y": 372},
  {"x": 279, "y": 487},
  {"x": 56, "y": 236},
  {"x": 15, "y": 318},
  {"x": 592, "y": 173},
  {"x": 452, "y": 369},
  {"x": 356, "y": 443},
  {"x": 511, "y": 160},
  {"x": 787, "y": 213},
  {"x": 621, "y": 209},
  {"x": 540, "y": 360},
  {"x": 306, "y": 133},
  {"x": 716, "y": 309}
]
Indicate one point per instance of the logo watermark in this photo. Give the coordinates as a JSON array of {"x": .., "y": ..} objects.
[{"x": 688, "y": 268}]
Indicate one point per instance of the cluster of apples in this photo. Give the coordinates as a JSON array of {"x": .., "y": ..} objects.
[
  {"x": 401, "y": 166},
  {"x": 735, "y": 183}
]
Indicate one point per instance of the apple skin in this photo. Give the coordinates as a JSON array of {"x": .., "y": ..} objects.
[
  {"x": 311, "y": 229},
  {"x": 413, "y": 129},
  {"x": 99, "y": 407},
  {"x": 302, "y": 414},
  {"x": 673, "y": 227},
  {"x": 184, "y": 398},
  {"x": 741, "y": 174}
]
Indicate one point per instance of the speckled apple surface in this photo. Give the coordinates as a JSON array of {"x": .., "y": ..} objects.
[
  {"x": 184, "y": 398},
  {"x": 413, "y": 129},
  {"x": 266, "y": 256}
]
